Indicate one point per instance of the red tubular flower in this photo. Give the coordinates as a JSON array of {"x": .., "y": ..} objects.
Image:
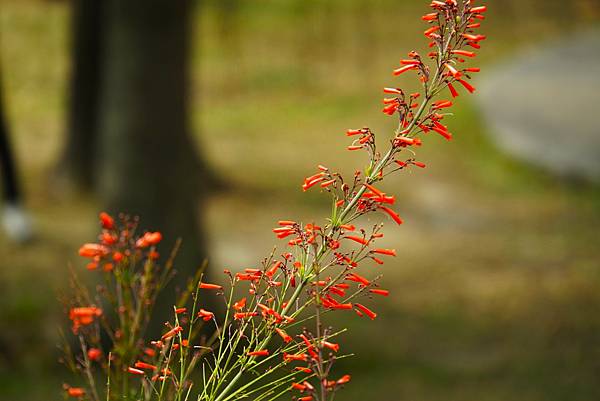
[
  {"x": 94, "y": 354},
  {"x": 303, "y": 369},
  {"x": 357, "y": 279},
  {"x": 366, "y": 311},
  {"x": 295, "y": 357},
  {"x": 343, "y": 380},
  {"x": 479, "y": 9},
  {"x": 453, "y": 71},
  {"x": 337, "y": 291},
  {"x": 107, "y": 221},
  {"x": 308, "y": 386},
  {"x": 452, "y": 90},
  {"x": 418, "y": 164},
  {"x": 465, "y": 53},
  {"x": 144, "y": 365},
  {"x": 394, "y": 91},
  {"x": 431, "y": 30},
  {"x": 298, "y": 386},
  {"x": 340, "y": 306},
  {"x": 306, "y": 398},
  {"x": 239, "y": 305},
  {"x": 392, "y": 214},
  {"x": 207, "y": 286},
  {"x": 135, "y": 371},
  {"x": 172, "y": 333},
  {"x": 180, "y": 310},
  {"x": 91, "y": 250},
  {"x": 108, "y": 238},
  {"x": 286, "y": 337},
  {"x": 472, "y": 69},
  {"x": 327, "y": 183},
  {"x": 206, "y": 315},
  {"x": 377, "y": 260},
  {"x": 332, "y": 346},
  {"x": 273, "y": 269},
  {"x": 377, "y": 291},
  {"x": 262, "y": 352},
  {"x": 442, "y": 130},
  {"x": 389, "y": 110},
  {"x": 308, "y": 184},
  {"x": 389, "y": 252},
  {"x": 467, "y": 86},
  {"x": 430, "y": 17},
  {"x": 402, "y": 70},
  {"x": 357, "y": 239},
  {"x": 244, "y": 315},
  {"x": 406, "y": 141},
  {"x": 75, "y": 392},
  {"x": 352, "y": 132},
  {"x": 286, "y": 222},
  {"x": 375, "y": 190},
  {"x": 441, "y": 104},
  {"x": 117, "y": 257},
  {"x": 410, "y": 62},
  {"x": 473, "y": 38},
  {"x": 82, "y": 316}
]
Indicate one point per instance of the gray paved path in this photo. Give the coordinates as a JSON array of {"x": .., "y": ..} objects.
[{"x": 544, "y": 105}]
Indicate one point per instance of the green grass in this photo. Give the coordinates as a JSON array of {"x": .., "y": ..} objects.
[{"x": 496, "y": 287}]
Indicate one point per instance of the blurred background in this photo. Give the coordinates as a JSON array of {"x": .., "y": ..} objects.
[{"x": 205, "y": 117}]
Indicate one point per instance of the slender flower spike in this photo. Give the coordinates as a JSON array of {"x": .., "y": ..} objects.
[{"x": 321, "y": 272}]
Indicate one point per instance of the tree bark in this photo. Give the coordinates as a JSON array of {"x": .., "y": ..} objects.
[
  {"x": 148, "y": 165},
  {"x": 76, "y": 166}
]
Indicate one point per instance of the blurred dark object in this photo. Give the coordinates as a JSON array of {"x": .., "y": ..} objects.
[
  {"x": 147, "y": 164},
  {"x": 15, "y": 221},
  {"x": 77, "y": 163}
]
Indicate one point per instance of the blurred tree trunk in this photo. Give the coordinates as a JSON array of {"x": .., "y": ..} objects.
[
  {"x": 77, "y": 163},
  {"x": 7, "y": 164},
  {"x": 147, "y": 164}
]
